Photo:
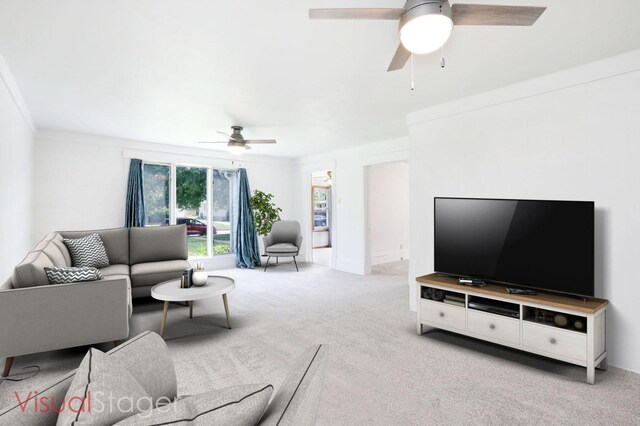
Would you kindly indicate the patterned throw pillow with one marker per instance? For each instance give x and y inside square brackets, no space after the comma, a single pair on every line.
[88,251]
[72,274]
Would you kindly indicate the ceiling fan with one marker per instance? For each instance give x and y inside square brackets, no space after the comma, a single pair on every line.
[237,144]
[425,25]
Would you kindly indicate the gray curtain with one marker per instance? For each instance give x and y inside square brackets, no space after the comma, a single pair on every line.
[134,213]
[246,241]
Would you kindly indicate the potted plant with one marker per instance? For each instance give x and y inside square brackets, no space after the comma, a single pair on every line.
[265,211]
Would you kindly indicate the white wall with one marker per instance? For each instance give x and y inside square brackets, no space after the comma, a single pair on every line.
[348,198]
[573,135]
[388,208]
[81,180]
[16,154]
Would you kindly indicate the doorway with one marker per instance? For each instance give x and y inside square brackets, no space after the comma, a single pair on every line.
[388,218]
[321,217]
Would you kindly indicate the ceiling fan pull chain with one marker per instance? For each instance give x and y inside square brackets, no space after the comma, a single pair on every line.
[412,72]
[442,62]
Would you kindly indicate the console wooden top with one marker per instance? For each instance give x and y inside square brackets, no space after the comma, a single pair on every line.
[588,306]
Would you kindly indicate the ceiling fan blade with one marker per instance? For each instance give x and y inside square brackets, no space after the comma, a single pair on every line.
[213,142]
[257,141]
[229,136]
[399,59]
[485,14]
[361,13]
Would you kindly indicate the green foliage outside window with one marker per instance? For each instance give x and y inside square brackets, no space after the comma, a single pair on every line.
[191,187]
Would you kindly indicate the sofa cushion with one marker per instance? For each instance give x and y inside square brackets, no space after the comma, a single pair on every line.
[154,244]
[54,254]
[25,411]
[282,248]
[235,405]
[102,392]
[44,241]
[72,274]
[116,242]
[296,402]
[113,270]
[30,272]
[152,273]
[58,241]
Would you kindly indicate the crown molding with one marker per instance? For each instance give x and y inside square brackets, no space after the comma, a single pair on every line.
[614,66]
[153,151]
[14,91]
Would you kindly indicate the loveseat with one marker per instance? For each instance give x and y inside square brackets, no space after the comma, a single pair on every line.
[146,359]
[38,316]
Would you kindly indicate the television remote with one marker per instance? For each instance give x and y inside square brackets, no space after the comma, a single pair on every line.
[526,292]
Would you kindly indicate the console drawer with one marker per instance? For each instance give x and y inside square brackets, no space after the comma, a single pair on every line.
[551,339]
[439,313]
[494,326]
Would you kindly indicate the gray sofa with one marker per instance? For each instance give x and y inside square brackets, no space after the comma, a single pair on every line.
[37,316]
[146,357]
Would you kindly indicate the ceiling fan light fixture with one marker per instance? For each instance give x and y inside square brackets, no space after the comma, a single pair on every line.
[426,27]
[236,148]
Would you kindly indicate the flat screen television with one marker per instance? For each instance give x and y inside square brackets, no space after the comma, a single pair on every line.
[546,245]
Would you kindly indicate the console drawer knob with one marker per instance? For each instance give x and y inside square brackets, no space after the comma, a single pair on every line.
[492,326]
[441,314]
[552,341]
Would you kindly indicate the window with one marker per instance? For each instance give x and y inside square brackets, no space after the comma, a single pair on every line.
[191,204]
[200,198]
[157,179]
[221,213]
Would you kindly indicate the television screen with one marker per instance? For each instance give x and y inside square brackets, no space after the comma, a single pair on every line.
[546,245]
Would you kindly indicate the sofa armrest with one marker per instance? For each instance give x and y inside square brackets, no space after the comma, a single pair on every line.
[6,285]
[44,318]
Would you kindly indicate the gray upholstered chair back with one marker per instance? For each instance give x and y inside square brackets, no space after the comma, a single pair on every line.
[285,231]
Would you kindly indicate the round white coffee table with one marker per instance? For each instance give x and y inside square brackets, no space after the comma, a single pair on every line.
[170,291]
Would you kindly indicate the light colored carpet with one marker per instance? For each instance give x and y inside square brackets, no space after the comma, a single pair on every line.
[379,372]
[400,267]
[322,256]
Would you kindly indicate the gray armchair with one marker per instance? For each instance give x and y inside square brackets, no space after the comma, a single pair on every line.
[284,240]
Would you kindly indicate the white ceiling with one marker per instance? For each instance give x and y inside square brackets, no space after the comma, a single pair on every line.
[175,71]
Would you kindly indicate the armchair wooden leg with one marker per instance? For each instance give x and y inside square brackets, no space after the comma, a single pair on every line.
[7,366]
[296,263]
[267,264]
[117,343]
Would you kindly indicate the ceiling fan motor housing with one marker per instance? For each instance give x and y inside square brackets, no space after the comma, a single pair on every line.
[237,135]
[416,8]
